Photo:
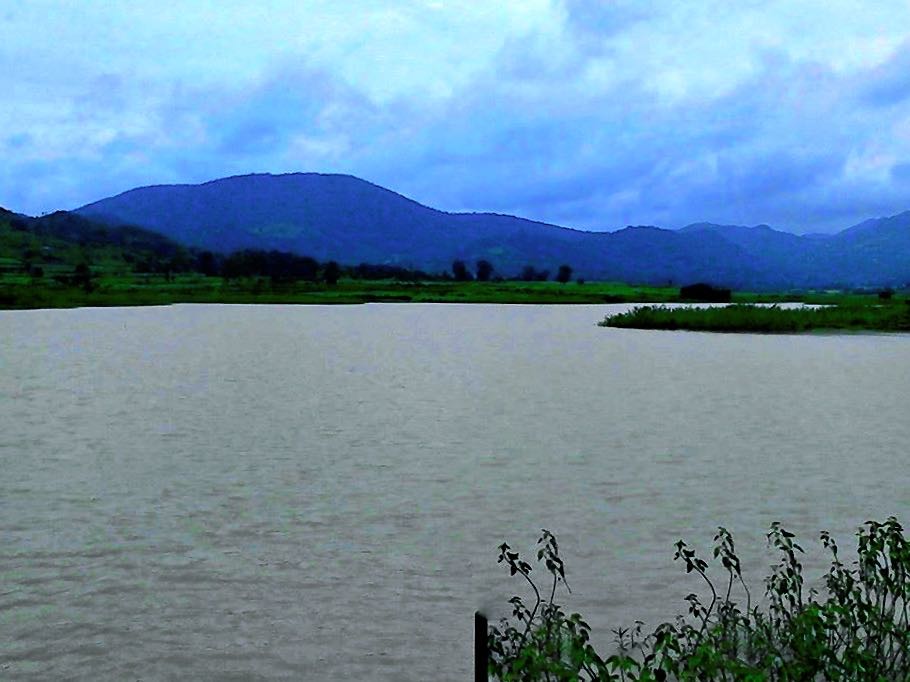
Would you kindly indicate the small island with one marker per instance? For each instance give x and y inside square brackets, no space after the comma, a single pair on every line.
[886,314]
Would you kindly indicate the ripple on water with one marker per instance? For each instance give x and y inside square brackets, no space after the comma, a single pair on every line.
[221,492]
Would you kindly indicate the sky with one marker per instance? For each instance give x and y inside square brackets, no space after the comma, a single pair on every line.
[585,113]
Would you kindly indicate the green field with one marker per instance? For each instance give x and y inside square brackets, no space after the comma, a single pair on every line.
[64,261]
[21,291]
[849,314]
[113,286]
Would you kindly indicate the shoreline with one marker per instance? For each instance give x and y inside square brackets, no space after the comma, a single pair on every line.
[22,294]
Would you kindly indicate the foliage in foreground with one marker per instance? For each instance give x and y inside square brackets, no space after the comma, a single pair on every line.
[857,630]
[892,316]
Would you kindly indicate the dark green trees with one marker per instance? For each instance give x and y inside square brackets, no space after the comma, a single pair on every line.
[484,270]
[564,274]
[460,271]
[331,273]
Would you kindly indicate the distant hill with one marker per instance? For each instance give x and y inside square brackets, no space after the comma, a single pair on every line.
[873,253]
[59,241]
[350,220]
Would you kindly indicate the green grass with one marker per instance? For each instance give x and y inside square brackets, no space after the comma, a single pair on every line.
[878,316]
[17,290]
[114,285]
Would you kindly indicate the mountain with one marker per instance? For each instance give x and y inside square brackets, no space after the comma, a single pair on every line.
[347,219]
[59,241]
[776,256]
[873,253]
[350,220]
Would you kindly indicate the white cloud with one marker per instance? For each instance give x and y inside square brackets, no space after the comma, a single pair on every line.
[585,112]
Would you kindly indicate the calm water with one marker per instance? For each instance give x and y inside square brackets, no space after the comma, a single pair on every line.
[232,492]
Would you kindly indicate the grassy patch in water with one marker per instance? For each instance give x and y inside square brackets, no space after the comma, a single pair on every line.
[888,316]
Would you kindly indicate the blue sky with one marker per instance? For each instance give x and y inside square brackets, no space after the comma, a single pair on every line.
[588,114]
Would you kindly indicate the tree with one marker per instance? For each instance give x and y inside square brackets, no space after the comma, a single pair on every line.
[705,292]
[331,273]
[484,270]
[460,271]
[205,263]
[82,276]
[528,273]
[564,274]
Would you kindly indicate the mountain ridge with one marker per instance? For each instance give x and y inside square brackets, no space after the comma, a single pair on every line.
[333,216]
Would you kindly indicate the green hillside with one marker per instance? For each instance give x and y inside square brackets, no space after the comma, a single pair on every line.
[52,247]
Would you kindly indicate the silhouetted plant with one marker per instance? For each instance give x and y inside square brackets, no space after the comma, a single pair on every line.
[531,274]
[207,263]
[460,271]
[544,643]
[82,277]
[484,270]
[705,292]
[331,273]
[860,631]
[564,274]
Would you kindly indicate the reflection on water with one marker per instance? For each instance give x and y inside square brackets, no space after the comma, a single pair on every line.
[233,492]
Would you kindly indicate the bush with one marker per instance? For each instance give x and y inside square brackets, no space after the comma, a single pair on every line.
[705,293]
[860,631]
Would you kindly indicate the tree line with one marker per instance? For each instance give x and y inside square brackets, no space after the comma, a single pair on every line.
[485,272]
[285,267]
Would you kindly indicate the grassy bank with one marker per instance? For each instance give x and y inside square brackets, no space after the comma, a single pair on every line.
[891,315]
[19,292]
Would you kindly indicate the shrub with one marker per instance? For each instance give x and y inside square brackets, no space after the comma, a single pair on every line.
[859,631]
[484,270]
[705,293]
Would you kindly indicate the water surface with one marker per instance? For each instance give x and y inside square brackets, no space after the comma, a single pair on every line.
[280,492]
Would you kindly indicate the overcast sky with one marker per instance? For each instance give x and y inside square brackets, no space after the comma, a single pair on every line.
[591,114]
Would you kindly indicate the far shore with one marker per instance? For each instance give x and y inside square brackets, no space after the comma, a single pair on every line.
[25,293]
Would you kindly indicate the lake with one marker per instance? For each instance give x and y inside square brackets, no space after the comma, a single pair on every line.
[317,492]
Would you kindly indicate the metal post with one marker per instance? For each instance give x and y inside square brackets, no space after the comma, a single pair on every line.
[481,647]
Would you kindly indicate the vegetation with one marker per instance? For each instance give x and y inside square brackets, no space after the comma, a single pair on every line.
[531,274]
[856,628]
[564,274]
[484,270]
[705,293]
[884,315]
[64,260]
[460,271]
[19,290]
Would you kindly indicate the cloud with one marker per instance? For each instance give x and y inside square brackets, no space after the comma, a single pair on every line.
[889,83]
[589,114]
[900,172]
